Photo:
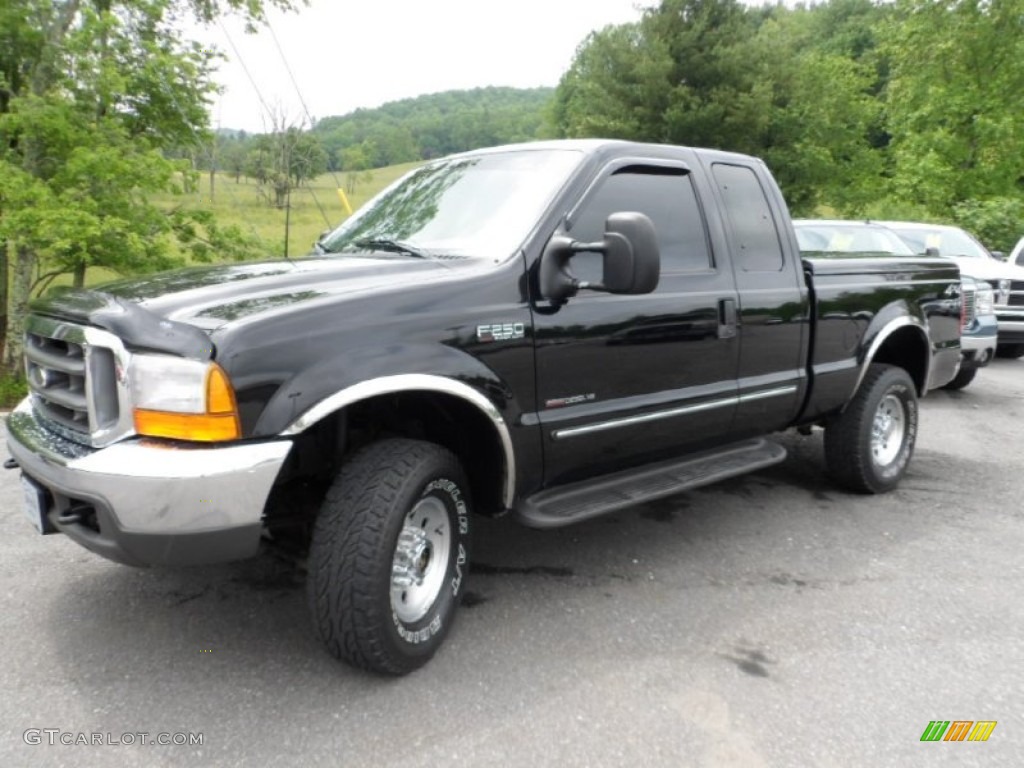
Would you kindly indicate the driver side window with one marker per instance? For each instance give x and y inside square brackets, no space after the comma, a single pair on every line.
[667,197]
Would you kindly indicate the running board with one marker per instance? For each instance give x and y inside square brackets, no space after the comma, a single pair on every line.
[590,498]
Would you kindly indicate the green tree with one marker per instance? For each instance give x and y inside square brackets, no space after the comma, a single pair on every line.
[618,86]
[233,157]
[282,160]
[355,162]
[91,93]
[955,100]
[437,124]
[770,82]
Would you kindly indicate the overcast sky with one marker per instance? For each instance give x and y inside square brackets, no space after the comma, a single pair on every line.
[347,55]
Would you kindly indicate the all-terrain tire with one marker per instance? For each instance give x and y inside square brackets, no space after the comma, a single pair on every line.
[868,445]
[389,555]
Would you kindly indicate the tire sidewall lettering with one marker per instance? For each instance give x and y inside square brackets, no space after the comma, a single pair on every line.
[458,511]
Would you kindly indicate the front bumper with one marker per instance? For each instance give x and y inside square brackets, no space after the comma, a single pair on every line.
[149,502]
[978,342]
[1011,325]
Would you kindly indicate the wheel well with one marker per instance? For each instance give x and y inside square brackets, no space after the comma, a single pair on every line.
[907,349]
[435,417]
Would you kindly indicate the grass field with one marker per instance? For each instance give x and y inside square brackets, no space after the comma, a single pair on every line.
[315,206]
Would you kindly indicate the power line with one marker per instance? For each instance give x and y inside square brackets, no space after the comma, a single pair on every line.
[267,109]
[295,85]
[199,143]
[245,69]
[305,108]
[195,136]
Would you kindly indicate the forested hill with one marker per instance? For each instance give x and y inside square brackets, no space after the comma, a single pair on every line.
[433,125]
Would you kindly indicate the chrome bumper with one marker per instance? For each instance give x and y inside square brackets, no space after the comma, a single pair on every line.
[153,502]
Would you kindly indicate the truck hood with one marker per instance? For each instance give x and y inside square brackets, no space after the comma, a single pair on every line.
[212,297]
[986,269]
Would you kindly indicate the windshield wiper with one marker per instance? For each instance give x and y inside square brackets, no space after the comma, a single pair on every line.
[393,246]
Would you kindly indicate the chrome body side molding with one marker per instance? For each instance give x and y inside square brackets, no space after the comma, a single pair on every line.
[707,405]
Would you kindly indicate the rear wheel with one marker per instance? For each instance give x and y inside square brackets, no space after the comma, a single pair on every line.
[1010,350]
[868,445]
[962,379]
[389,555]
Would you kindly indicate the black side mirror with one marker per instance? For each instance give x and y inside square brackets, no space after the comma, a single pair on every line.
[999,255]
[931,251]
[632,261]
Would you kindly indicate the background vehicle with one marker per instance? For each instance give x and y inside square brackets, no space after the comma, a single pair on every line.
[453,349]
[1007,280]
[1017,254]
[840,236]
[979,329]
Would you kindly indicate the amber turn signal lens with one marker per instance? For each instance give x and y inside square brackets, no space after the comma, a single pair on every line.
[220,397]
[201,427]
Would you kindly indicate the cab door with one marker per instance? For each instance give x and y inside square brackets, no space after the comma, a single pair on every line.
[774,308]
[624,380]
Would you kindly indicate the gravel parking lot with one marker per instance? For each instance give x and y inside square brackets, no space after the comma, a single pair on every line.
[768,621]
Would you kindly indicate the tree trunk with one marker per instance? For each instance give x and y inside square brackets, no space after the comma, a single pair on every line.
[14,349]
[80,275]
[4,280]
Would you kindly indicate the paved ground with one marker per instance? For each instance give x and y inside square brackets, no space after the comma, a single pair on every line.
[769,621]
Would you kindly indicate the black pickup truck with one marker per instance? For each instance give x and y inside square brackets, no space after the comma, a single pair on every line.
[553,331]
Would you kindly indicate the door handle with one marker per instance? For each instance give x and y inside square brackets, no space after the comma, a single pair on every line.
[727,318]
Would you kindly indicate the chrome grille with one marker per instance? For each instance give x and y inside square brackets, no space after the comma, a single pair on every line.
[56,376]
[970,304]
[76,381]
[1016,293]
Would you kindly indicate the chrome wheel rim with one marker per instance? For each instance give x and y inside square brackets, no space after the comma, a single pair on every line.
[888,430]
[421,559]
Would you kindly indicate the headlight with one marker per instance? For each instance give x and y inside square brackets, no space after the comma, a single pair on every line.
[984,299]
[183,399]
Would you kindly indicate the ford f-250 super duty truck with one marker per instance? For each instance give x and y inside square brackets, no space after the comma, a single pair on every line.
[553,330]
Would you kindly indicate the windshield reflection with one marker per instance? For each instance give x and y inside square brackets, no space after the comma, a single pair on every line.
[479,205]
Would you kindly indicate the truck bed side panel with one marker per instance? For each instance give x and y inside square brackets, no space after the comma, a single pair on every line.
[856,300]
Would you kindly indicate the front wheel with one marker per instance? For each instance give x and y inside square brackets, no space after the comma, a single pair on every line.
[868,445]
[389,555]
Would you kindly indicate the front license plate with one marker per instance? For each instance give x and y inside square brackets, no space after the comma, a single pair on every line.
[33,503]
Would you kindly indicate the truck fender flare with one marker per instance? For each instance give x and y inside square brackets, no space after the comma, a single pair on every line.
[880,338]
[410,382]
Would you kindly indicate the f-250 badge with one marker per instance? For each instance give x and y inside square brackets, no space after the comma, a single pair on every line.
[500,332]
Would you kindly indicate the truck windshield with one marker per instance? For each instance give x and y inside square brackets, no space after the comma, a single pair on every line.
[849,238]
[473,206]
[948,241]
